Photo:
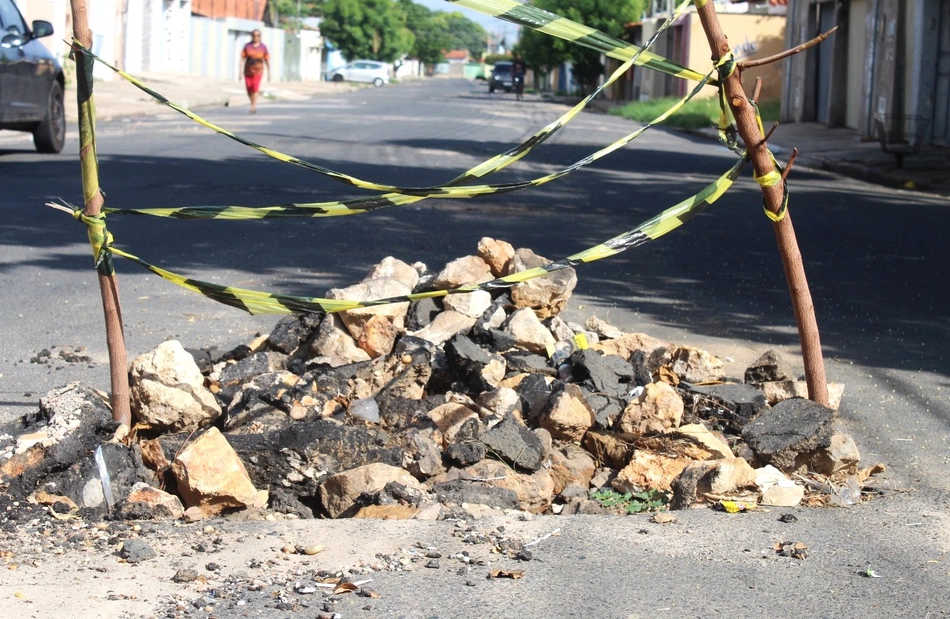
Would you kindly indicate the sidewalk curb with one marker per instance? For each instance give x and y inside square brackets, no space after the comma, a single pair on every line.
[850,169]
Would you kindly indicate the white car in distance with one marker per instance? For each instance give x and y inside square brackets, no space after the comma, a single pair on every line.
[369,71]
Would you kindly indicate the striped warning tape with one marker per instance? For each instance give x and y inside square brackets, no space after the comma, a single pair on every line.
[549,23]
[256,302]
[362,205]
[489,166]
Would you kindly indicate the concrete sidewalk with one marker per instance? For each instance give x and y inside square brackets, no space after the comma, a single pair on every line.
[842,151]
[117,98]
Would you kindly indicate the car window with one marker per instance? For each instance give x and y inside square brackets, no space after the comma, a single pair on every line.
[10,19]
[362,65]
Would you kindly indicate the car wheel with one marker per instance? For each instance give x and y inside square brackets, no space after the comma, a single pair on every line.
[337,78]
[491,90]
[50,135]
[378,82]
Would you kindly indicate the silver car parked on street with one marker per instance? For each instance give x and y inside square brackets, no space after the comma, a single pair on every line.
[369,71]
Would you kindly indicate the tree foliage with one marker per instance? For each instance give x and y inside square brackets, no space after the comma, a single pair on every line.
[543,52]
[372,29]
[387,29]
[465,34]
[430,31]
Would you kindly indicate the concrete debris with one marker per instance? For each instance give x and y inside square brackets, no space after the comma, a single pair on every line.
[168,391]
[470,404]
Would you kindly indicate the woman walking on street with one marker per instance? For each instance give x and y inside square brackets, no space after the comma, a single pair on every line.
[256,58]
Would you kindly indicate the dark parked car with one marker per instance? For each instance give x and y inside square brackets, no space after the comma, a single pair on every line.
[31,81]
[501,77]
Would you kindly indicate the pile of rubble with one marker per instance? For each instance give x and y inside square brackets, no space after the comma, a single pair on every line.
[475,402]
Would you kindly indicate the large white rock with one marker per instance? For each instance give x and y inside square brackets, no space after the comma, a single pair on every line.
[528,332]
[339,492]
[658,409]
[374,328]
[566,415]
[335,344]
[395,269]
[497,254]
[464,270]
[167,390]
[695,365]
[445,326]
[211,476]
[471,304]
[548,294]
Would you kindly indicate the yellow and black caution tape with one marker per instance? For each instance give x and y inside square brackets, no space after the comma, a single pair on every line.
[362,205]
[489,166]
[256,302]
[534,18]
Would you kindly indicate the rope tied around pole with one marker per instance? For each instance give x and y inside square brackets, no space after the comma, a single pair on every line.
[100,238]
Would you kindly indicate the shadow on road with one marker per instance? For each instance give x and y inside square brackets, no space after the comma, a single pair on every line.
[873,268]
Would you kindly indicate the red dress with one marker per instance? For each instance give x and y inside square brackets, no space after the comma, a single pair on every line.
[254,57]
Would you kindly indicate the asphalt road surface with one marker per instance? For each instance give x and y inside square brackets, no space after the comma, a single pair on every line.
[876,261]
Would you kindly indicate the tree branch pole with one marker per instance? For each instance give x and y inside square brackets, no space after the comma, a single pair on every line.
[773,196]
[93,200]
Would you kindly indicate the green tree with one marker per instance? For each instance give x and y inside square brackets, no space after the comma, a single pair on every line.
[466,34]
[430,32]
[372,29]
[542,51]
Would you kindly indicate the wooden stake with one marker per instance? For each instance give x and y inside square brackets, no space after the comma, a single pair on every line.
[774,196]
[108,284]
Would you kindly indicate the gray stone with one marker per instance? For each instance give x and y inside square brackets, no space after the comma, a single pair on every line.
[466,454]
[253,365]
[769,367]
[607,374]
[459,491]
[136,550]
[291,332]
[692,483]
[734,403]
[524,361]
[514,443]
[606,409]
[475,368]
[421,313]
[788,435]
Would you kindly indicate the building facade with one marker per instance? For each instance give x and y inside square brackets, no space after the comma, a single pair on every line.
[754,29]
[888,62]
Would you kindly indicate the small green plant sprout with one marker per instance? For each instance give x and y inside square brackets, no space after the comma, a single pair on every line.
[631,502]
[869,573]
